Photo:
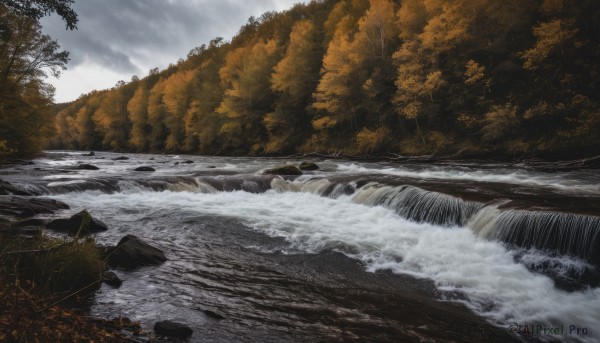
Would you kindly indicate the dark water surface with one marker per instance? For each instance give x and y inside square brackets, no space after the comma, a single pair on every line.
[353,251]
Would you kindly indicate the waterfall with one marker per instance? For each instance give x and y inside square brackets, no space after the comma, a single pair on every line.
[419,205]
[565,233]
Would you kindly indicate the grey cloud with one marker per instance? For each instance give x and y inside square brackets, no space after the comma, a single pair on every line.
[128,36]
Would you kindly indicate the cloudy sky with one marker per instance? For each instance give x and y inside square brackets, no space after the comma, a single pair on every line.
[117,39]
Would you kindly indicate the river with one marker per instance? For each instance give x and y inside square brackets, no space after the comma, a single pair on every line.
[364,251]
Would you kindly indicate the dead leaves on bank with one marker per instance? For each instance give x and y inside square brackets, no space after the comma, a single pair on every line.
[28,318]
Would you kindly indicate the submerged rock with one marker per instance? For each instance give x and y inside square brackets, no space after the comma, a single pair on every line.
[173,329]
[86,167]
[74,224]
[188,162]
[284,170]
[132,252]
[90,154]
[120,158]
[308,166]
[213,315]
[145,169]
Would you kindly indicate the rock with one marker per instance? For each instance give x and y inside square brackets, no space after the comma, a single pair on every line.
[27,232]
[86,167]
[111,279]
[26,213]
[145,169]
[132,252]
[176,163]
[212,314]
[308,166]
[173,329]
[30,222]
[8,189]
[284,170]
[211,167]
[121,158]
[73,224]
[17,206]
[90,154]
[188,162]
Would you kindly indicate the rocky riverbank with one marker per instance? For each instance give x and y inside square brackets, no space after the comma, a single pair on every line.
[46,283]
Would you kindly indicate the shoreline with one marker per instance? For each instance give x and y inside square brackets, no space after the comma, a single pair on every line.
[550,162]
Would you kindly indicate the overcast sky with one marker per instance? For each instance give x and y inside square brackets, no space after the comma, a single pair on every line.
[117,39]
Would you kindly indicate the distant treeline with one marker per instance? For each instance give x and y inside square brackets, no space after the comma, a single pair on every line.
[476,77]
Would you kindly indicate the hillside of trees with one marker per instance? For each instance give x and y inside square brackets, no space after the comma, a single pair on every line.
[467,77]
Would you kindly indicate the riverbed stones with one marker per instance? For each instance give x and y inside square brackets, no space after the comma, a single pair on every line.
[145,169]
[284,170]
[73,225]
[132,252]
[173,329]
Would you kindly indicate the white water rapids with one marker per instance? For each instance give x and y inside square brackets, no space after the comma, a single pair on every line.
[444,223]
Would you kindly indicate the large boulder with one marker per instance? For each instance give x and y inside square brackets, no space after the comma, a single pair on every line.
[308,166]
[173,329]
[132,252]
[284,170]
[73,225]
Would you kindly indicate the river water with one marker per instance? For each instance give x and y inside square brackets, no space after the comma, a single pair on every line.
[341,253]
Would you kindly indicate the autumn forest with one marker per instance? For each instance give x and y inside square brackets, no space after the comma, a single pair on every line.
[462,78]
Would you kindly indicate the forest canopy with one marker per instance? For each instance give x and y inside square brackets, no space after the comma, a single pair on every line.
[468,77]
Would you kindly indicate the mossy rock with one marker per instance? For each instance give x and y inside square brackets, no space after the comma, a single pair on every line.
[308,166]
[284,170]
